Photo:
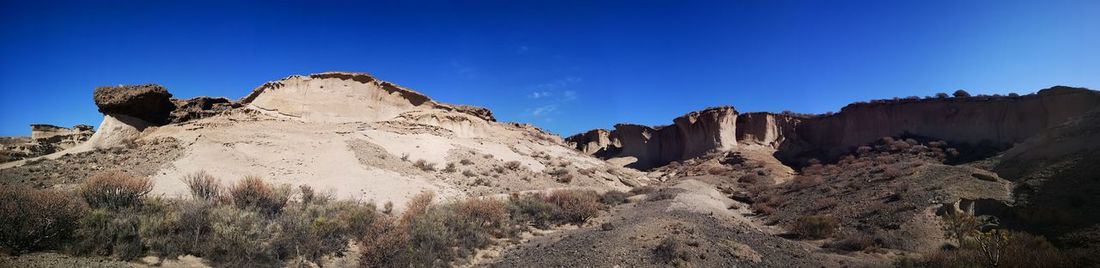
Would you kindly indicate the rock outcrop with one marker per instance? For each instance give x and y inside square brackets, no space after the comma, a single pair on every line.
[200,107]
[690,135]
[150,102]
[994,120]
[346,97]
[45,139]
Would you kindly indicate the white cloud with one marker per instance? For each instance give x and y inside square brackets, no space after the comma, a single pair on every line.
[550,95]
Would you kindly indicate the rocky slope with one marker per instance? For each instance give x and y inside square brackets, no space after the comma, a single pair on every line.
[347,133]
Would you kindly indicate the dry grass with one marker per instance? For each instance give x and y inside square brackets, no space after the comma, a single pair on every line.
[36,219]
[614,197]
[577,206]
[513,165]
[115,190]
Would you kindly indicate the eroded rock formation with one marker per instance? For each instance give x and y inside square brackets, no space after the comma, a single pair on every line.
[690,135]
[150,102]
[993,120]
[45,139]
[200,107]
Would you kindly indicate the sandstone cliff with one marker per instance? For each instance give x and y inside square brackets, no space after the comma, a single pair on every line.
[996,120]
[690,135]
[992,120]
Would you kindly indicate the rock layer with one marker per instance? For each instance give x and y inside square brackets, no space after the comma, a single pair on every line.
[690,135]
[150,102]
[993,120]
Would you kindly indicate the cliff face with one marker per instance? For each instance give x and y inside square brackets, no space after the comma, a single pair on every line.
[690,135]
[994,120]
[999,120]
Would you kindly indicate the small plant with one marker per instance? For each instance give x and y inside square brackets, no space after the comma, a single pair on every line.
[513,165]
[469,173]
[424,165]
[803,181]
[253,193]
[465,162]
[672,250]
[614,197]
[813,227]
[853,242]
[450,168]
[36,219]
[115,190]
[203,186]
[565,178]
[405,157]
[577,206]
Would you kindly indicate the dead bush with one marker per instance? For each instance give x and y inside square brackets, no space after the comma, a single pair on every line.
[468,173]
[513,165]
[565,178]
[853,242]
[450,168]
[115,190]
[203,186]
[532,209]
[576,206]
[36,219]
[763,208]
[673,251]
[424,165]
[255,194]
[803,181]
[614,197]
[813,227]
[465,162]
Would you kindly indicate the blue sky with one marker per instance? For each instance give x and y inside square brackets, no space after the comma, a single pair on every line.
[566,66]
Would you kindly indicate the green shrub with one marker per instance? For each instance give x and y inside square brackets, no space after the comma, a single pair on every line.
[532,209]
[36,219]
[115,190]
[179,228]
[813,227]
[107,232]
[253,193]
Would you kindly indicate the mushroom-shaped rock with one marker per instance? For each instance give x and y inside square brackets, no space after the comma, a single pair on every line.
[150,102]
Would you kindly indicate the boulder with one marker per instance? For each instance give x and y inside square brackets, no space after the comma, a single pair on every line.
[150,102]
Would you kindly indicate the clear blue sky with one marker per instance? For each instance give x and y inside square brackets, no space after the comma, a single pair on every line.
[567,66]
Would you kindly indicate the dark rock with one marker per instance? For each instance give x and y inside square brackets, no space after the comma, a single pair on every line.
[200,107]
[149,102]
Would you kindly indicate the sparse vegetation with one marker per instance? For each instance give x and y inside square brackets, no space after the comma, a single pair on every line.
[450,168]
[613,197]
[673,251]
[252,193]
[994,247]
[513,165]
[203,186]
[115,190]
[36,219]
[424,165]
[813,227]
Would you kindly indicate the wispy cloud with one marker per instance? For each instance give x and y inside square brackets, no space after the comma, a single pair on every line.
[549,96]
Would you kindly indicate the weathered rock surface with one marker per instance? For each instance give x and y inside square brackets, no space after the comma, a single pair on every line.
[150,102]
[200,107]
[996,120]
[993,120]
[45,139]
[346,97]
[690,135]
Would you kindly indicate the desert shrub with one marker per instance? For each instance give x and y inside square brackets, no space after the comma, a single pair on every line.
[802,181]
[468,173]
[941,95]
[36,219]
[662,194]
[115,190]
[450,168]
[961,94]
[813,227]
[434,235]
[176,229]
[253,193]
[107,232]
[241,237]
[465,162]
[613,197]
[424,165]
[513,165]
[749,178]
[1001,248]
[203,186]
[763,208]
[672,250]
[853,242]
[565,178]
[532,209]
[576,206]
